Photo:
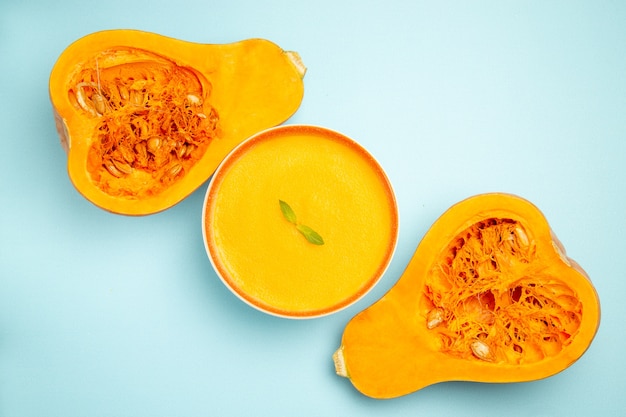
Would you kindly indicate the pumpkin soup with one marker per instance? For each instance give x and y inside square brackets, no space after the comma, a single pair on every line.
[300,221]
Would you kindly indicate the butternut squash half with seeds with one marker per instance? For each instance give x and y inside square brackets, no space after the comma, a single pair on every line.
[489,296]
[146,119]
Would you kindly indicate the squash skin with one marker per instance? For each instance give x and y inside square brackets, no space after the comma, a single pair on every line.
[254,85]
[388,351]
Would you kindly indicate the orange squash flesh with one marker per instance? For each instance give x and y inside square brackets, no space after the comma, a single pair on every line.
[146,119]
[488,296]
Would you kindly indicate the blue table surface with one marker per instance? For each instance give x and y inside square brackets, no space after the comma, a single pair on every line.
[108,315]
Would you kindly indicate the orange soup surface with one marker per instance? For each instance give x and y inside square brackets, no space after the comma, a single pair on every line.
[333,187]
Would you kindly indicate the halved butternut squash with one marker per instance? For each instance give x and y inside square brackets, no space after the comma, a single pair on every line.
[146,119]
[489,296]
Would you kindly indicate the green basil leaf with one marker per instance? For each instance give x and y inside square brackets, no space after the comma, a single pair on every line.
[311,235]
[288,212]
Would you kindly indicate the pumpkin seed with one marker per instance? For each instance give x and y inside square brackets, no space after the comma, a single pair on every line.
[174,170]
[136,97]
[434,318]
[481,350]
[181,151]
[113,169]
[122,166]
[127,154]
[521,236]
[124,93]
[142,152]
[154,144]
[81,99]
[193,99]
[190,148]
[99,103]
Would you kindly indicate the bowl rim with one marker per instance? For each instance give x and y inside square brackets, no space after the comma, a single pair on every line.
[326,132]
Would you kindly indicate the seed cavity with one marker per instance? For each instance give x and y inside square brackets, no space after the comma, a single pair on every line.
[488,289]
[153,119]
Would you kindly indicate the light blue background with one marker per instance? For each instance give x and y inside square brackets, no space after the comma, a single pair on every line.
[105,315]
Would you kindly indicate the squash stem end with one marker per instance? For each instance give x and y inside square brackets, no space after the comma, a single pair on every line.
[296,60]
[340,364]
